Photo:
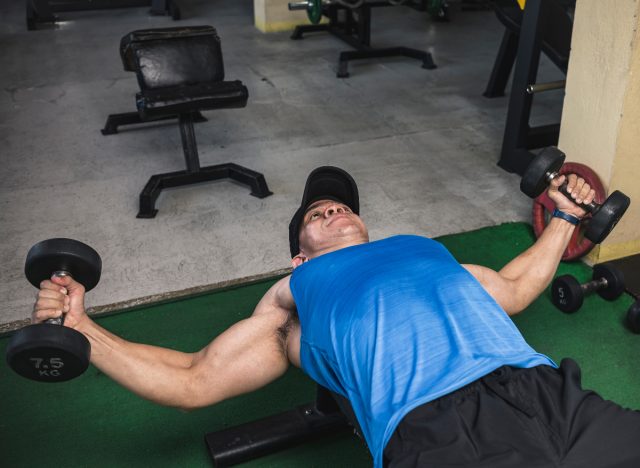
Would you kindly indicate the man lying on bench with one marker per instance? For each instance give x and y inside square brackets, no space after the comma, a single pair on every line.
[421,346]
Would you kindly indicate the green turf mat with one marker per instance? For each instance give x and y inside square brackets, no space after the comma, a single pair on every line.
[91,421]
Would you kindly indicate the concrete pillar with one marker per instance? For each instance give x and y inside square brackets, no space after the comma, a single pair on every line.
[601,114]
[274,15]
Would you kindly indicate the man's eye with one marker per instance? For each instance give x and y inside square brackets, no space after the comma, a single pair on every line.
[314,215]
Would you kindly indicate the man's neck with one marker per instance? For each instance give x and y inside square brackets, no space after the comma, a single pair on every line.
[339,246]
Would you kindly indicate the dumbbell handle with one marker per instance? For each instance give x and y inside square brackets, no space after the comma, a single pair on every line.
[592,207]
[594,285]
[58,320]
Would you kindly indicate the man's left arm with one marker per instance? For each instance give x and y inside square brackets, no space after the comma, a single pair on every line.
[524,278]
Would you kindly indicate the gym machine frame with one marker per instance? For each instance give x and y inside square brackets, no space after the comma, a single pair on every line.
[42,11]
[354,28]
[519,137]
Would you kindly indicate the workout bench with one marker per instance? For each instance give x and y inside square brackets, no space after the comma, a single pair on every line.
[180,73]
[328,414]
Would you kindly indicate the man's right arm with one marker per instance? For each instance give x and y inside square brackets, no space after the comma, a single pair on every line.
[524,278]
[245,357]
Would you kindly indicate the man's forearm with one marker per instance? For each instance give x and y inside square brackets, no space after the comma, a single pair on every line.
[157,374]
[533,270]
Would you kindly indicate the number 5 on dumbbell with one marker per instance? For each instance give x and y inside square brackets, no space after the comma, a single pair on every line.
[51,352]
[567,293]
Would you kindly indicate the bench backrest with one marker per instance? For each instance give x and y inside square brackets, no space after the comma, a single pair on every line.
[168,57]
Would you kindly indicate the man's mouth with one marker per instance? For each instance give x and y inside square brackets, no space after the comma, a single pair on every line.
[337,216]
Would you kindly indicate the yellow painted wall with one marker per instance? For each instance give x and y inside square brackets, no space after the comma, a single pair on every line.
[274,16]
[601,114]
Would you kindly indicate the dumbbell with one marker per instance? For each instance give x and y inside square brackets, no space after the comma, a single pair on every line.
[633,317]
[544,168]
[567,293]
[49,351]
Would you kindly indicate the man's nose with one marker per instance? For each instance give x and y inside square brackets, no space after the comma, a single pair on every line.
[333,209]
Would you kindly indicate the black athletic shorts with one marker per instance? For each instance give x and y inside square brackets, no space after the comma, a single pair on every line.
[538,417]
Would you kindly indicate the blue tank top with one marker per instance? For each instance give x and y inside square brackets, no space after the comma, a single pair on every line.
[396,323]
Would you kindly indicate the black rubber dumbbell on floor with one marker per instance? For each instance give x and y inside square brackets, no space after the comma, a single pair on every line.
[544,168]
[51,352]
[567,294]
[633,317]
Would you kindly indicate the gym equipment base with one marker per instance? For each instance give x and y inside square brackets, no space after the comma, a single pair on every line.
[129,118]
[347,56]
[353,26]
[41,12]
[158,182]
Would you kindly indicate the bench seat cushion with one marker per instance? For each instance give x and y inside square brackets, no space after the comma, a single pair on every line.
[191,98]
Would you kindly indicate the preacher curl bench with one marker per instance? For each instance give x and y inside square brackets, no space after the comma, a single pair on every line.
[180,73]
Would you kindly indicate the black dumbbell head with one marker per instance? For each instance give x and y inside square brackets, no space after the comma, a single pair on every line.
[566,293]
[633,317]
[607,216]
[534,181]
[48,353]
[614,277]
[78,259]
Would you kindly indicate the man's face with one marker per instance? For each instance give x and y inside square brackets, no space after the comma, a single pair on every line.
[329,225]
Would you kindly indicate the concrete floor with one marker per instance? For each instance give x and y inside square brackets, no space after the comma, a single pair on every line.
[422,144]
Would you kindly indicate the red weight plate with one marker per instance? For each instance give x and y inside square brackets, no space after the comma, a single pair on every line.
[543,206]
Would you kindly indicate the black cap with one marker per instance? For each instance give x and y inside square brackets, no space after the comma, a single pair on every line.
[324,183]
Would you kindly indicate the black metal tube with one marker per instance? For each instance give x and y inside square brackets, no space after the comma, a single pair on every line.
[298,6]
[189,145]
[541,87]
[257,438]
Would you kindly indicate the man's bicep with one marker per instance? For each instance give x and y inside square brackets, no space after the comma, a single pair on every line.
[503,290]
[247,356]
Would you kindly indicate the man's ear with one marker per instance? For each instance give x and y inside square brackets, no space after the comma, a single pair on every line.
[298,260]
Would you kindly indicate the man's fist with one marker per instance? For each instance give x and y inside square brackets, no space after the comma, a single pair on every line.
[581,192]
[57,296]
